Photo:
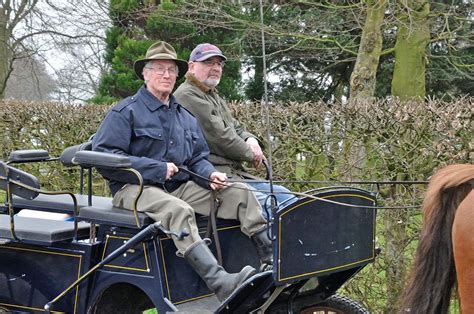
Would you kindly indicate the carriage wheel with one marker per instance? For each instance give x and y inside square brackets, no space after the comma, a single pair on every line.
[121,298]
[336,304]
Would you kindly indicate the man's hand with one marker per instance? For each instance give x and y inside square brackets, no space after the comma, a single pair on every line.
[258,156]
[218,180]
[171,170]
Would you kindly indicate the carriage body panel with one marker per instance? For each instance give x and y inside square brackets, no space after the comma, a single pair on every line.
[104,262]
[33,274]
[316,237]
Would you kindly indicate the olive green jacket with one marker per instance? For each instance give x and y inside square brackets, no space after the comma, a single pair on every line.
[224,134]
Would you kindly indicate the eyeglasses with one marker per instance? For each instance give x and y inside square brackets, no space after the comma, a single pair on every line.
[162,71]
[212,63]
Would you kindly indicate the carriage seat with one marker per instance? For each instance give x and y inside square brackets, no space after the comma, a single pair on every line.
[42,230]
[100,210]
[58,203]
[119,216]
[26,187]
[116,216]
[27,195]
[110,215]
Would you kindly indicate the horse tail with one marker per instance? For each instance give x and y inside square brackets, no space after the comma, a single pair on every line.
[433,275]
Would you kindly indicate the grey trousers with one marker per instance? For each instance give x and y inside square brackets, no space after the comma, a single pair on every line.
[176,210]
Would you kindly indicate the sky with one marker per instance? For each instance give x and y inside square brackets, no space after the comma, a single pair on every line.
[70,40]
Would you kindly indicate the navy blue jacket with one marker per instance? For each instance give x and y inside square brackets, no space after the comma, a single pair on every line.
[152,134]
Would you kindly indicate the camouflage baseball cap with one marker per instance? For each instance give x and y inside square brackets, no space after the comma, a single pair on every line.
[205,51]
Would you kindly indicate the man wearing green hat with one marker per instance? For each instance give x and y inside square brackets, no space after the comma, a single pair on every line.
[159,136]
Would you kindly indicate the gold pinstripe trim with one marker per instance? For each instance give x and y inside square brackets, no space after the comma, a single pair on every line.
[40,251]
[329,196]
[194,299]
[328,269]
[145,255]
[164,268]
[51,253]
[324,270]
[27,307]
[166,273]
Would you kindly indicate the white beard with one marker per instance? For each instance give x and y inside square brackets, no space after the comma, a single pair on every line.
[211,82]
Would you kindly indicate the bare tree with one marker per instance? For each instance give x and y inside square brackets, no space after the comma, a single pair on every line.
[12,14]
[29,81]
[67,35]
[82,25]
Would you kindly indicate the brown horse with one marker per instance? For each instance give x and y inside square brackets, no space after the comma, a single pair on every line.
[446,247]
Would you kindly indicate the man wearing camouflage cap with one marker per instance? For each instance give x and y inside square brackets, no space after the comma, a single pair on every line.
[229,143]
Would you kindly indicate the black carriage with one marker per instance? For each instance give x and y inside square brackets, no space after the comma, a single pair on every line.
[112,260]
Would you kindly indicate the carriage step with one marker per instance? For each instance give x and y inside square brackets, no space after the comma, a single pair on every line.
[205,305]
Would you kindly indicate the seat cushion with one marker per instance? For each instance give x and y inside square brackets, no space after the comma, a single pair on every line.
[102,211]
[111,215]
[59,203]
[41,230]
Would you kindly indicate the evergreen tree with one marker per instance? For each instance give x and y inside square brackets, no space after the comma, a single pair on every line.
[138,24]
[311,47]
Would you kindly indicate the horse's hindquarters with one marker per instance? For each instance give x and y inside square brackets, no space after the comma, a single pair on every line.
[463,247]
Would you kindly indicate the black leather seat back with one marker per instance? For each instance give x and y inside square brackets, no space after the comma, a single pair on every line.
[68,154]
[19,176]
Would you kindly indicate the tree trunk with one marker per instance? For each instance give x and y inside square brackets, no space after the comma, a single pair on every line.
[255,89]
[395,245]
[362,83]
[5,52]
[413,35]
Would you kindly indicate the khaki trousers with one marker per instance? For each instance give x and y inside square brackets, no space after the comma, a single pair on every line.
[176,210]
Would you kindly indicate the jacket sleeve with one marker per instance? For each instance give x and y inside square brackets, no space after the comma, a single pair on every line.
[239,128]
[114,136]
[199,163]
[223,139]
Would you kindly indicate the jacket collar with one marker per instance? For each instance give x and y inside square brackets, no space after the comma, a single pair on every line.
[193,80]
[153,103]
